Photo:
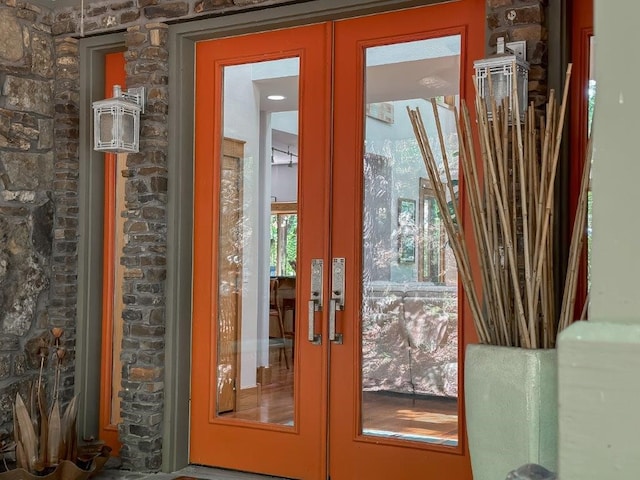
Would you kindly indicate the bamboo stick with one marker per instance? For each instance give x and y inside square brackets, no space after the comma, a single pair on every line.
[552,173]
[445,162]
[468,167]
[486,223]
[577,240]
[432,170]
[546,138]
[496,139]
[499,144]
[505,226]
[525,217]
[511,206]
[458,247]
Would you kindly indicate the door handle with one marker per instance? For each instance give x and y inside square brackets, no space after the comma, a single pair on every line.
[337,298]
[315,299]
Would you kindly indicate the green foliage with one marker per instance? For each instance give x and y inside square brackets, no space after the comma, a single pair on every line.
[284,243]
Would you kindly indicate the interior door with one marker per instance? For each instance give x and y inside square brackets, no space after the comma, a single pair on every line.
[373,388]
[230,268]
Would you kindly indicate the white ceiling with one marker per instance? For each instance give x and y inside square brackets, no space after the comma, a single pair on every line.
[425,78]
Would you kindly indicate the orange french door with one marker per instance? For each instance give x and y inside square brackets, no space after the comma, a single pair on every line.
[237,342]
[395,60]
[328,329]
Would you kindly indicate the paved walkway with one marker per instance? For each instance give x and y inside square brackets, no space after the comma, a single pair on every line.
[192,472]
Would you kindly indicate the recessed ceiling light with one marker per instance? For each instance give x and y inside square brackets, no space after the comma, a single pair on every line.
[276,97]
[432,82]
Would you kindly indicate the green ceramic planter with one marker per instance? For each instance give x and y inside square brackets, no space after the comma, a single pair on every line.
[511,406]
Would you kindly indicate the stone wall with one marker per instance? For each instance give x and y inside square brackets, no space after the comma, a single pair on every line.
[523,20]
[64,259]
[27,202]
[107,16]
[144,255]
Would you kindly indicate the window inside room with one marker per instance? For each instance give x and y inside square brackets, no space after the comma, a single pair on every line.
[432,236]
[284,239]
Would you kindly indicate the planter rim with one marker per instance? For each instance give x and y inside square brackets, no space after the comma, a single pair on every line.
[471,346]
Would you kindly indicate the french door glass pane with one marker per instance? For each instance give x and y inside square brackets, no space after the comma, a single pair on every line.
[256,304]
[409,276]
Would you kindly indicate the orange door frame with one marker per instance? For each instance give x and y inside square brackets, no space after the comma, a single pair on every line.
[114,75]
[581,34]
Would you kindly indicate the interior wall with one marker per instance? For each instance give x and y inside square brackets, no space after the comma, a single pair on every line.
[242,122]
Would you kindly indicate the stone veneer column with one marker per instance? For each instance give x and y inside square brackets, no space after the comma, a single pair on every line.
[144,255]
[64,259]
[522,20]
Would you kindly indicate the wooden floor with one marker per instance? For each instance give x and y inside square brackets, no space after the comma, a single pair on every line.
[413,417]
[275,399]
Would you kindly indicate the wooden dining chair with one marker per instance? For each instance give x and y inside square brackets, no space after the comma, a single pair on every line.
[275,310]
[289,330]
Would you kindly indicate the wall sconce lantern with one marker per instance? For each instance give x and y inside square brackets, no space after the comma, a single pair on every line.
[116,121]
[497,73]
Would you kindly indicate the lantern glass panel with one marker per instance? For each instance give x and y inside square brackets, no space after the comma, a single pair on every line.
[501,84]
[106,122]
[128,128]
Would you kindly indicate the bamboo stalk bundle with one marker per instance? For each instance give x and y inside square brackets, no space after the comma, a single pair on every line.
[509,179]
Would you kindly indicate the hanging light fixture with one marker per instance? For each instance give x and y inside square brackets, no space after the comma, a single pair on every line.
[116,121]
[496,74]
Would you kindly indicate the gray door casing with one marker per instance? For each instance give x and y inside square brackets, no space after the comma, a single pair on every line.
[182,39]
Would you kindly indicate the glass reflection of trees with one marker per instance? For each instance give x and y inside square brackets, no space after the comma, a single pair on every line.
[284,244]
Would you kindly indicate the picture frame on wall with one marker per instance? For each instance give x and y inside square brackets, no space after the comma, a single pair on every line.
[407,248]
[406,230]
[406,212]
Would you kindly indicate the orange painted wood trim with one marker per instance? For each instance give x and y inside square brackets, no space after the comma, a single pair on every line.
[114,75]
[581,33]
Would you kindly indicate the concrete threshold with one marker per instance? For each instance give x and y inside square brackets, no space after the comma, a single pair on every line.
[191,472]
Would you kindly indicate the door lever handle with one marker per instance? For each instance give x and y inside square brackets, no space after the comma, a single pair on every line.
[313,337]
[337,298]
[333,336]
[315,300]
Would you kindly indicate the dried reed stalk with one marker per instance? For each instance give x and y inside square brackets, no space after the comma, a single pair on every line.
[451,226]
[510,188]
